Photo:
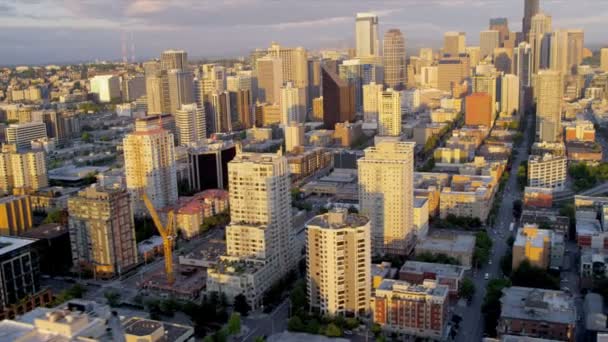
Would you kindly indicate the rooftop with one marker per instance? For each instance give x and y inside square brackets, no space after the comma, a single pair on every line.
[538,304]
[337,219]
[453,242]
[429,287]
[445,270]
[172,332]
[10,244]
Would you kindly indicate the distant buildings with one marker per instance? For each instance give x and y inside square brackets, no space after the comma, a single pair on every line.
[338,99]
[339,263]
[102,232]
[454,43]
[25,170]
[15,215]
[190,124]
[270,79]
[366,35]
[389,113]
[21,135]
[394,59]
[106,87]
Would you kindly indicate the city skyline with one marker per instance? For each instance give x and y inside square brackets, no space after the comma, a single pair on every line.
[90,30]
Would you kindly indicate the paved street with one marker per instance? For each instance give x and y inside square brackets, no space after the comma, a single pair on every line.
[471,328]
[267,324]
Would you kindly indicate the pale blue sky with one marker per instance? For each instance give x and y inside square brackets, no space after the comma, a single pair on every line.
[39,31]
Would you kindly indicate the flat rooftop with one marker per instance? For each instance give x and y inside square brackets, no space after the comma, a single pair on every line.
[10,244]
[444,270]
[141,327]
[338,219]
[454,242]
[429,288]
[538,305]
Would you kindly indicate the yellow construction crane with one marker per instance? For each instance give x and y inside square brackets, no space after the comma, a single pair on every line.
[167,233]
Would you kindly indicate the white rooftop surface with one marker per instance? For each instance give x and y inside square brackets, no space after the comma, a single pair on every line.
[9,244]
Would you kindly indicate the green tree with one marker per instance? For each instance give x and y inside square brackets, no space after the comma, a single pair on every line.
[234,324]
[259,339]
[491,307]
[113,298]
[333,330]
[483,247]
[241,306]
[86,137]
[376,329]
[527,275]
[295,324]
[506,263]
[467,289]
[298,297]
[56,216]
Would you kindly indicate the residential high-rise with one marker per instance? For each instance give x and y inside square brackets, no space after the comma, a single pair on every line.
[133,87]
[550,89]
[181,89]
[190,124]
[394,59]
[220,112]
[155,89]
[293,104]
[531,8]
[366,35]
[15,215]
[294,136]
[454,43]
[604,59]
[488,41]
[523,68]
[102,232]
[270,79]
[22,170]
[357,73]
[389,113]
[21,135]
[478,110]
[294,64]
[509,103]
[174,59]
[338,255]
[386,195]
[540,41]
[338,99]
[150,167]
[106,87]
[244,108]
[370,101]
[260,236]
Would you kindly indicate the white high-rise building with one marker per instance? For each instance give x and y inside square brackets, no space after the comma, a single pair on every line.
[429,77]
[190,124]
[294,135]
[21,135]
[22,170]
[260,237]
[389,113]
[107,87]
[509,102]
[488,41]
[366,35]
[370,101]
[293,104]
[386,195]
[150,167]
[338,255]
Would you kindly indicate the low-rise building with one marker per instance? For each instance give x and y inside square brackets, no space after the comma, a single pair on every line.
[547,219]
[538,197]
[468,196]
[537,313]
[457,245]
[382,271]
[306,162]
[192,213]
[547,171]
[534,245]
[416,272]
[411,309]
[583,151]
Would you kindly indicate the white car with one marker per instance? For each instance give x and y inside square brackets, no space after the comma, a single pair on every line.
[486,276]
[490,262]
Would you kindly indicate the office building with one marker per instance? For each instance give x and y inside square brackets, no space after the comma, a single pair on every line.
[270,79]
[219,112]
[20,272]
[509,103]
[294,64]
[338,255]
[181,89]
[451,72]
[537,313]
[260,237]
[293,104]
[604,59]
[21,135]
[531,8]
[389,113]
[208,164]
[106,87]
[454,43]
[394,59]
[371,93]
[502,26]
[150,167]
[488,41]
[102,232]
[474,53]
[338,99]
[540,42]
[478,110]
[547,171]
[190,124]
[133,88]
[411,309]
[174,59]
[488,83]
[416,272]
[244,108]
[157,89]
[22,170]
[366,35]
[386,195]
[549,88]
[294,136]
[15,215]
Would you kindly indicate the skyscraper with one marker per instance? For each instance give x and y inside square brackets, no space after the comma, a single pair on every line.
[502,26]
[488,83]
[338,99]
[219,112]
[370,101]
[293,104]
[509,103]
[106,87]
[338,255]
[21,135]
[25,170]
[488,41]
[190,124]
[454,43]
[174,59]
[540,41]
[150,166]
[270,79]
[366,35]
[244,108]
[260,236]
[181,89]
[394,59]
[604,59]
[154,88]
[550,90]
[386,195]
[102,232]
[294,64]
[451,72]
[531,8]
[389,113]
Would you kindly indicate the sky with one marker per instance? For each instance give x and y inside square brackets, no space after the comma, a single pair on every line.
[61,31]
